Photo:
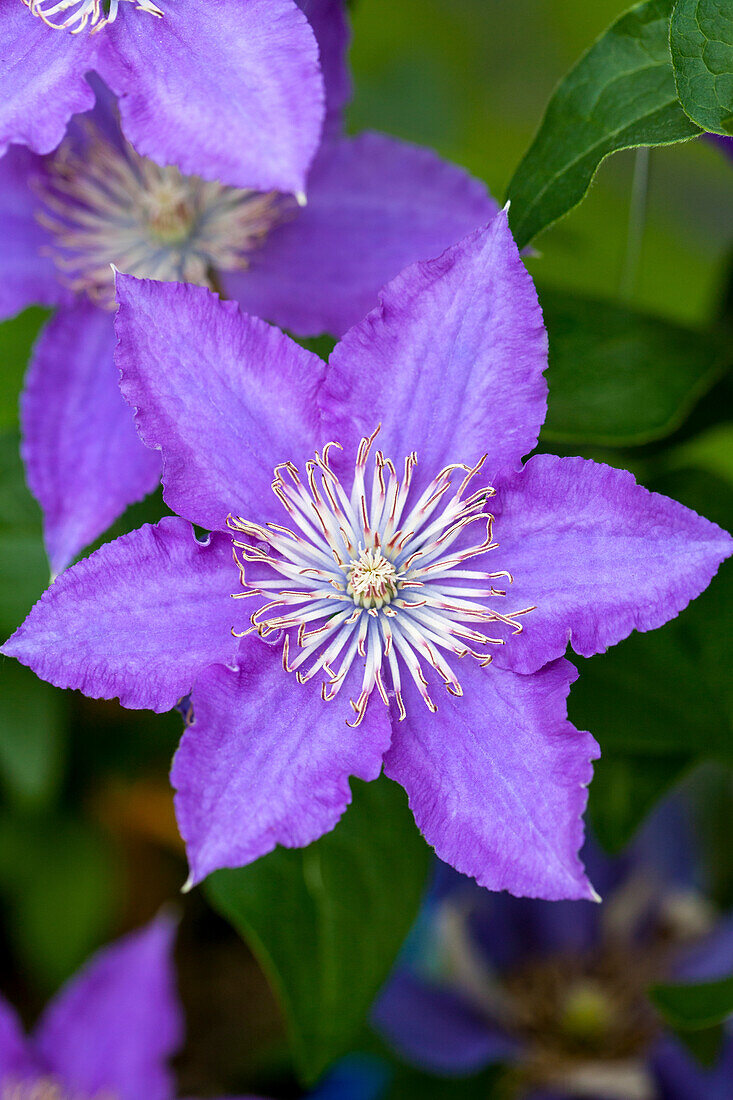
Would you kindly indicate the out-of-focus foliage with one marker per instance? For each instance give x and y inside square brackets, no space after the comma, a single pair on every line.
[701,44]
[695,1006]
[16,340]
[344,906]
[619,378]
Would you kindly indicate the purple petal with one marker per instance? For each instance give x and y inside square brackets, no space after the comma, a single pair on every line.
[680,1077]
[496,779]
[450,361]
[437,1029]
[724,143]
[224,396]
[333,34]
[16,1060]
[598,554]
[266,762]
[229,91]
[84,461]
[139,619]
[114,1026]
[375,205]
[711,959]
[41,79]
[508,929]
[27,277]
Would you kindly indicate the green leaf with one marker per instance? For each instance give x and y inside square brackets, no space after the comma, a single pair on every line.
[31,737]
[59,884]
[326,922]
[695,1006]
[621,94]
[701,44]
[620,378]
[711,451]
[24,572]
[16,340]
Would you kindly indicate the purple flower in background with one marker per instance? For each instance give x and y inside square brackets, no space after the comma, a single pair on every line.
[109,1033]
[374,205]
[370,563]
[231,91]
[558,992]
[724,143]
[112,1030]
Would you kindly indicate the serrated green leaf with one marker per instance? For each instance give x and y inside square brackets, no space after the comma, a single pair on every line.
[695,1006]
[619,377]
[326,922]
[621,94]
[16,340]
[701,44]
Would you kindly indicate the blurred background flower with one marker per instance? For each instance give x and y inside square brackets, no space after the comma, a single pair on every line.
[560,992]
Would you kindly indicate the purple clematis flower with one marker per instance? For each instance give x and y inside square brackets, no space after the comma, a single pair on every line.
[231,91]
[372,564]
[374,205]
[108,1034]
[111,1031]
[558,993]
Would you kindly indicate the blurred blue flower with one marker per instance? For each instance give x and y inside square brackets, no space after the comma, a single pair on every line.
[558,991]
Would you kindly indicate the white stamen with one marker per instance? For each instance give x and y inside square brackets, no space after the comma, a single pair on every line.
[94,14]
[357,580]
[105,205]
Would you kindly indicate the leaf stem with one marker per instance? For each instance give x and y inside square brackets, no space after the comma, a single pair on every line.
[637,222]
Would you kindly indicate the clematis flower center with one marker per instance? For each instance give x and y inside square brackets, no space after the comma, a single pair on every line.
[377,574]
[77,15]
[372,579]
[43,1089]
[106,205]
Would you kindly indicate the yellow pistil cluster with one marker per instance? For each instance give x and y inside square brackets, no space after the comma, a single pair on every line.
[372,579]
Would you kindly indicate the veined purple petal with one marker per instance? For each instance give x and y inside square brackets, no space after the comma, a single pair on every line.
[229,90]
[17,1062]
[437,1029]
[139,619]
[266,762]
[84,461]
[114,1026]
[375,205]
[450,361]
[496,779]
[41,79]
[331,27]
[27,276]
[598,554]
[224,396]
